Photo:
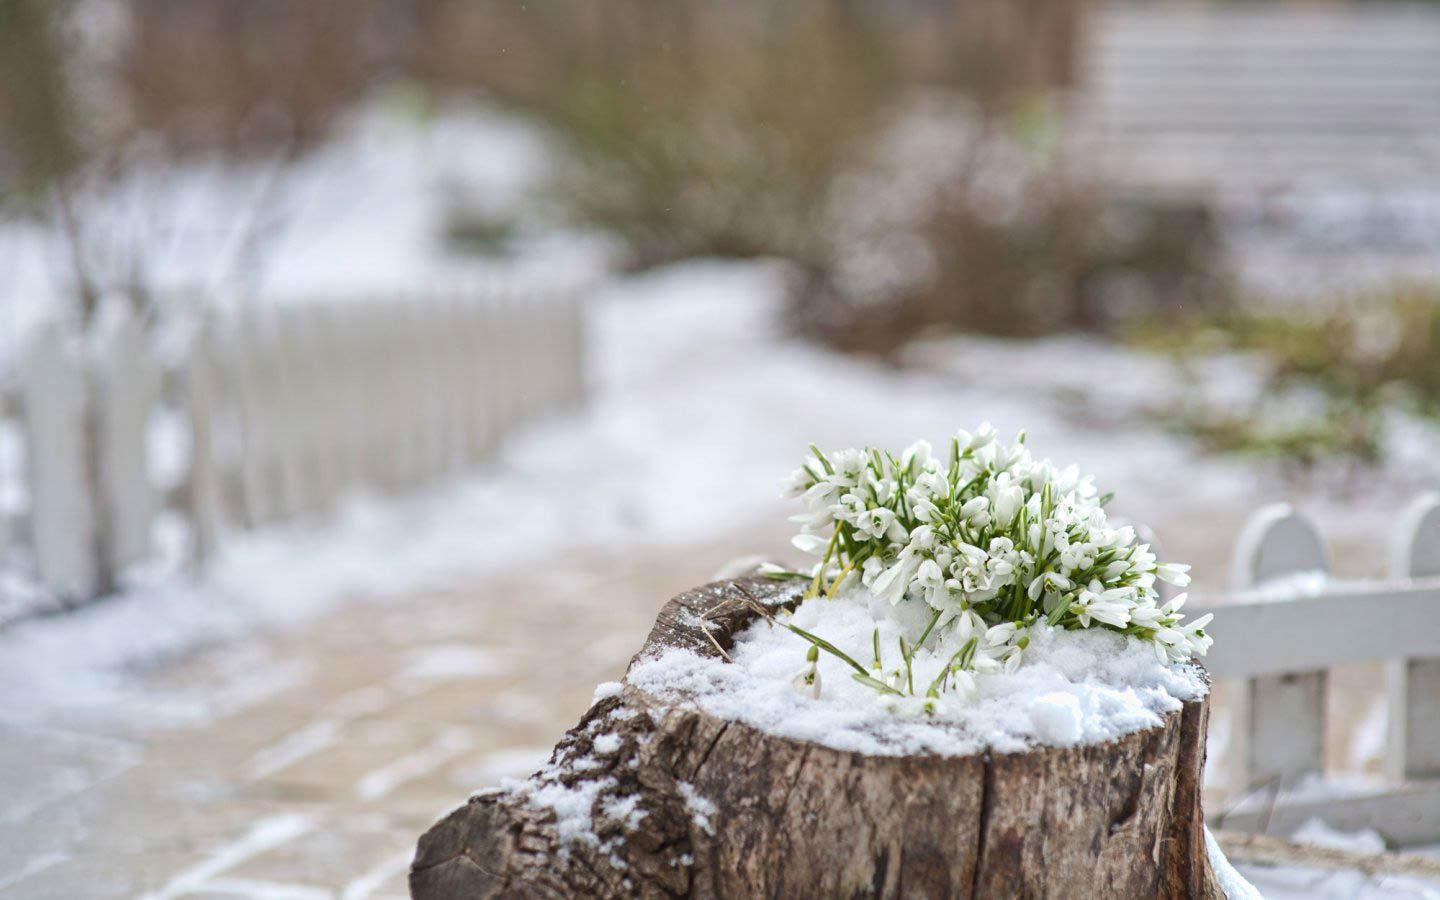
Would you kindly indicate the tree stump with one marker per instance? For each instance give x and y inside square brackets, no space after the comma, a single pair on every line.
[649,799]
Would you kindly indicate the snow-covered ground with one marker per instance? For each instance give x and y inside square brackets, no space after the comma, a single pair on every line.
[700,404]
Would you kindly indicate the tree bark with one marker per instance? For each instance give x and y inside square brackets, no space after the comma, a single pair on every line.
[685,804]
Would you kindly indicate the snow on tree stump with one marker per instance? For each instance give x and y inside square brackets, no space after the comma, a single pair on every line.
[647,798]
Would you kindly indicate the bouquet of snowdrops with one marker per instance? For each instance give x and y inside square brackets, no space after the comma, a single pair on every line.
[992,542]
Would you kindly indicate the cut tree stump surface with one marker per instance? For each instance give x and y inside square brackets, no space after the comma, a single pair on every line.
[652,798]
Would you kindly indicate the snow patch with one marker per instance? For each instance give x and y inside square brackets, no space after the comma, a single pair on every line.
[702,810]
[1316,832]
[1074,687]
[605,690]
[1231,882]
[572,805]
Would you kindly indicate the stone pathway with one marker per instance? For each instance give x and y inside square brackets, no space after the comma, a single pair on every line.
[330,749]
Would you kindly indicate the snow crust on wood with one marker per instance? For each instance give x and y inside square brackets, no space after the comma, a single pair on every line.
[1074,687]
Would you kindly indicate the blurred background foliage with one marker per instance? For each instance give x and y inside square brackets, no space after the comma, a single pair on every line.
[911,159]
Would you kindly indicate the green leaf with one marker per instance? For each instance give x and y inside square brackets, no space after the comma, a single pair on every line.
[933,619]
[1058,613]
[875,683]
[829,469]
[827,647]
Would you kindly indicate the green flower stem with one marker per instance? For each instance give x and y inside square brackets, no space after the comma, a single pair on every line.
[928,628]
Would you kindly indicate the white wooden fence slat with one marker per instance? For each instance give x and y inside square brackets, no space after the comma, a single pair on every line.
[128,384]
[290,387]
[204,488]
[431,385]
[256,420]
[1344,624]
[480,362]
[1282,717]
[1413,677]
[576,311]
[61,512]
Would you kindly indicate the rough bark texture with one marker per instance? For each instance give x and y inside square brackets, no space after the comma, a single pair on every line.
[729,811]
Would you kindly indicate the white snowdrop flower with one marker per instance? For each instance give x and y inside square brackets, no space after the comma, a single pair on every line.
[1053,581]
[1094,606]
[849,464]
[972,554]
[922,538]
[932,484]
[1006,503]
[1146,615]
[968,625]
[983,436]
[813,520]
[877,523]
[893,583]
[1174,604]
[1174,573]
[1000,634]
[870,569]
[798,482]
[1115,569]
[923,509]
[930,578]
[1166,635]
[813,544]
[807,683]
[916,458]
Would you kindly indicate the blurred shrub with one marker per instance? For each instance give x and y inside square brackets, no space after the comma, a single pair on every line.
[720,129]
[37,143]
[1330,374]
[974,221]
[697,129]
[237,75]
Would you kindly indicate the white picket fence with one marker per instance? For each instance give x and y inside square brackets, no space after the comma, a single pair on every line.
[1280,642]
[280,410]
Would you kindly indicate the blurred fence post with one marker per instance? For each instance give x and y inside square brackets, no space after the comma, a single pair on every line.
[127,390]
[62,513]
[204,493]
